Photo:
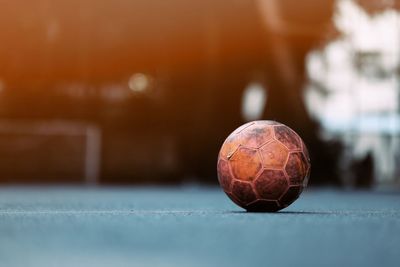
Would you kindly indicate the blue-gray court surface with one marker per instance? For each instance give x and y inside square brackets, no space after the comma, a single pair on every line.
[194,226]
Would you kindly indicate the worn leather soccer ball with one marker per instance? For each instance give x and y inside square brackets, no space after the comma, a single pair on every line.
[263,166]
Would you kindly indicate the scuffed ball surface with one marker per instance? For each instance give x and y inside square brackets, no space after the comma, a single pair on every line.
[263,166]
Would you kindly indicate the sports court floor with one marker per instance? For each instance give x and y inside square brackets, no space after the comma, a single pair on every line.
[194,226]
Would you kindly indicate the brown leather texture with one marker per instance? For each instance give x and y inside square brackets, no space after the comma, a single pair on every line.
[263,166]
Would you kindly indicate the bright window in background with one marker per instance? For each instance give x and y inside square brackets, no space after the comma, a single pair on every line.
[253,101]
[354,83]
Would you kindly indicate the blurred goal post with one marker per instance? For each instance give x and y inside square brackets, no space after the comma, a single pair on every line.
[61,128]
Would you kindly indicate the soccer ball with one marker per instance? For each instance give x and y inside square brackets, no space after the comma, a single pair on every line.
[263,166]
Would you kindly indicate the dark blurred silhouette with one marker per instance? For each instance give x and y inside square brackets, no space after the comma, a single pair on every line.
[294,28]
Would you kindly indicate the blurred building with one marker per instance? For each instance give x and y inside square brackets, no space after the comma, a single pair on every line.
[354,90]
[158,82]
[146,91]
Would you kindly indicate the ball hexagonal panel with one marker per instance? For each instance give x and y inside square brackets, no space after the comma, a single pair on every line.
[290,196]
[256,135]
[287,137]
[274,155]
[271,184]
[229,147]
[263,206]
[224,176]
[296,168]
[243,192]
[245,164]
[242,127]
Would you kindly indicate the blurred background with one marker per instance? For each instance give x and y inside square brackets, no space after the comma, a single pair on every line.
[146,91]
